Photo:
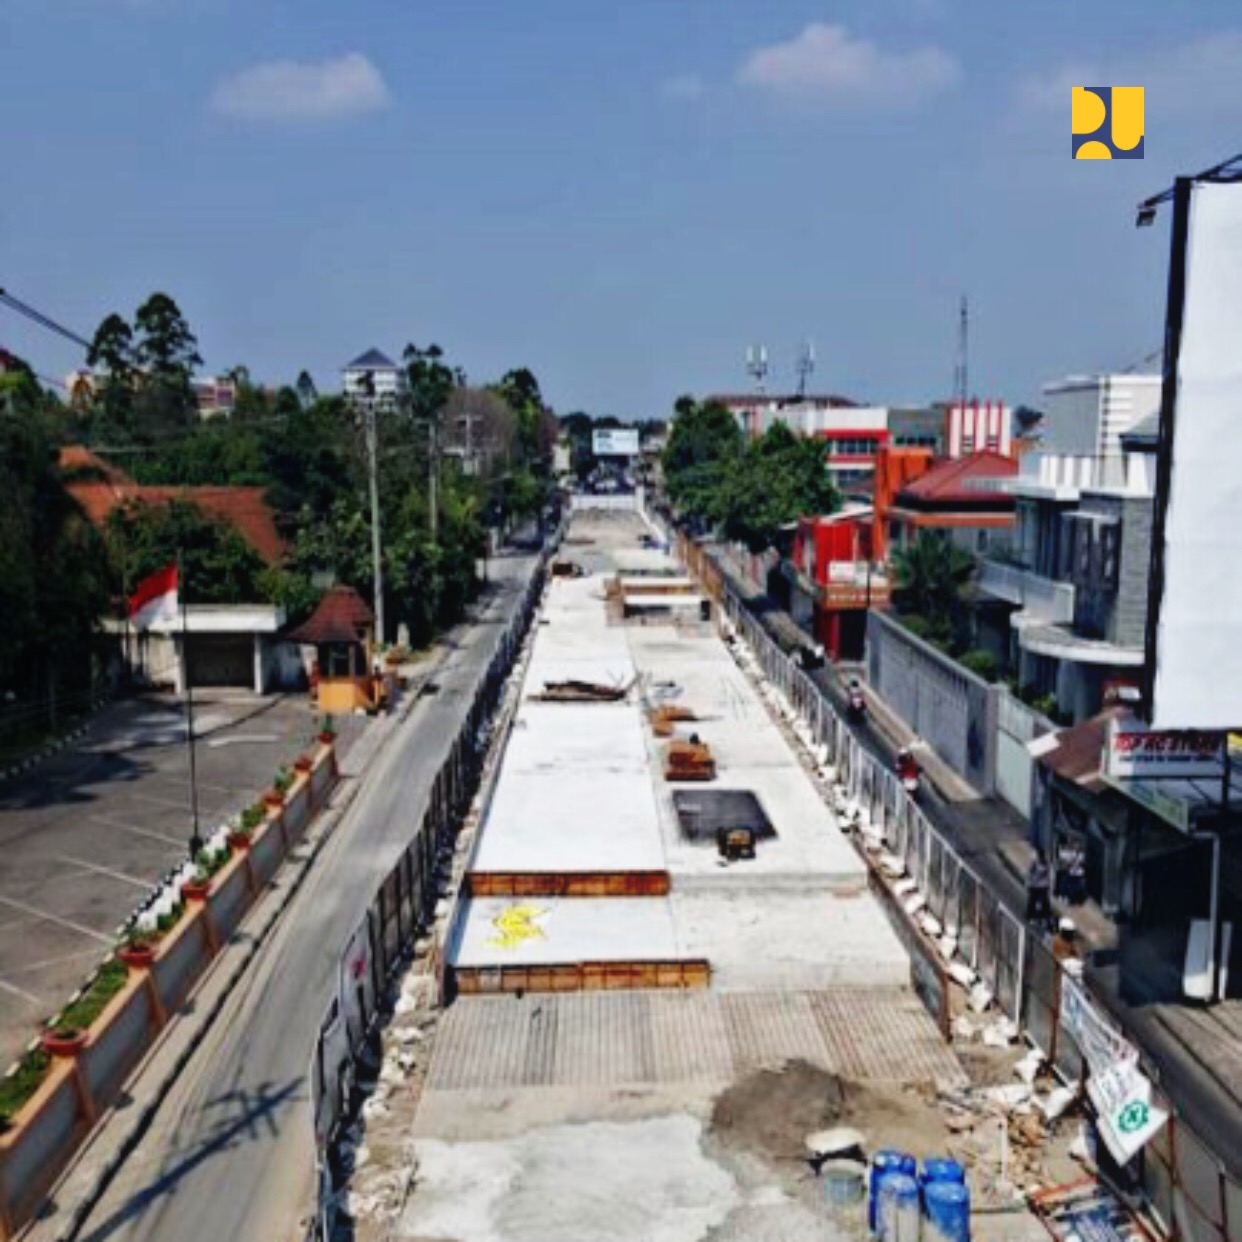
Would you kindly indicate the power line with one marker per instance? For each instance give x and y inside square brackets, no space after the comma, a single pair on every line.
[41,319]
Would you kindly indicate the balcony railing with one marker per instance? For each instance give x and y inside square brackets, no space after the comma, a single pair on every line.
[1044,598]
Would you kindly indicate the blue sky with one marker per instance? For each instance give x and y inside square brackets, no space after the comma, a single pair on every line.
[619,196]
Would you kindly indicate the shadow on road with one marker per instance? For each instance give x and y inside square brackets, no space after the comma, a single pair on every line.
[250,1114]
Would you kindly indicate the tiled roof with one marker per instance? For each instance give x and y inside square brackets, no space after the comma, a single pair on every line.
[1077,754]
[950,481]
[78,459]
[342,617]
[243,508]
[372,360]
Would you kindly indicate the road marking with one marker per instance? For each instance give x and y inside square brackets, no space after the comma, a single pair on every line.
[116,875]
[142,832]
[178,775]
[55,961]
[30,996]
[55,918]
[217,742]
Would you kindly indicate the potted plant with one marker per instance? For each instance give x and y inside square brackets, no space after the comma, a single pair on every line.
[327,731]
[67,1033]
[240,834]
[63,1040]
[138,948]
[198,888]
[303,764]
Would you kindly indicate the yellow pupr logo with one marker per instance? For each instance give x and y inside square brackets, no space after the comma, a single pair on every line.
[1107,122]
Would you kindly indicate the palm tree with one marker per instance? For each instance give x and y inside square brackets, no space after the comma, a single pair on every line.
[931,575]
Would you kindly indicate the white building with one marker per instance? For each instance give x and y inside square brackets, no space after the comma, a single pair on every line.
[1086,415]
[373,375]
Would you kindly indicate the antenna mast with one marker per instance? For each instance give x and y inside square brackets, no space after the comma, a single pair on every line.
[757,365]
[805,365]
[961,370]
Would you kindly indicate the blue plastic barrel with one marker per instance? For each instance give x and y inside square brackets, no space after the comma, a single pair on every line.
[946,1206]
[938,1170]
[898,1215]
[882,1163]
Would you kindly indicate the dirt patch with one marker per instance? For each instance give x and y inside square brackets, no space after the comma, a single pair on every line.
[770,1113]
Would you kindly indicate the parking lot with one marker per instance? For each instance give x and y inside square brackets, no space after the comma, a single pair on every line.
[84,836]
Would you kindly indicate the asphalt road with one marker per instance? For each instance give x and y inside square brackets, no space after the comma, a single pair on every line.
[230,1153]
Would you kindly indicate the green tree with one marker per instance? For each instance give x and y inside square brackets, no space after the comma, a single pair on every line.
[930,578]
[53,567]
[218,565]
[778,479]
[704,443]
[167,354]
[111,352]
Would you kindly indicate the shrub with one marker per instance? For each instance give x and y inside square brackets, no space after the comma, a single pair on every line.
[1046,705]
[21,1082]
[166,922]
[109,979]
[209,862]
[981,662]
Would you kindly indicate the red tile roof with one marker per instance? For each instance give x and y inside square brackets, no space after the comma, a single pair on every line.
[243,508]
[342,617]
[950,481]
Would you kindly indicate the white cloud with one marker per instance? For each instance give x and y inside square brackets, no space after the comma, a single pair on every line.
[1198,78]
[824,62]
[289,90]
[685,86]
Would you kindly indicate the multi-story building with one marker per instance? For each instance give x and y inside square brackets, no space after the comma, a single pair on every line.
[1071,596]
[373,376]
[1086,415]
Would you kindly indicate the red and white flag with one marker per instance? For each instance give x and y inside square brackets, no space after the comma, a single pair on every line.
[155,599]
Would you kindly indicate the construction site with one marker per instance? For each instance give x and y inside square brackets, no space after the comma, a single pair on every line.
[670,1002]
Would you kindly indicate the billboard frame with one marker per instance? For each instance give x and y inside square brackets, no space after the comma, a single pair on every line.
[1179,194]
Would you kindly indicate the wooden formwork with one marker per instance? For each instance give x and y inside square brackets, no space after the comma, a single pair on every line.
[568,884]
[582,977]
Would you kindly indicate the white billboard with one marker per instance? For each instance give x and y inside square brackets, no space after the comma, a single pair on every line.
[616,442]
[1194,631]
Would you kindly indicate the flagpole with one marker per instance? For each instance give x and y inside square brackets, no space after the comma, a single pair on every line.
[196,841]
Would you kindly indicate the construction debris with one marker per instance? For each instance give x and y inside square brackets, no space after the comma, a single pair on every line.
[689,761]
[665,717]
[582,692]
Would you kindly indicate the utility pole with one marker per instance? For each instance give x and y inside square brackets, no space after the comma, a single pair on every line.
[367,384]
[433,478]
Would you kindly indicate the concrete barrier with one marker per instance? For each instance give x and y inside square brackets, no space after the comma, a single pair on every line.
[119,1038]
[267,852]
[298,808]
[232,891]
[36,1150]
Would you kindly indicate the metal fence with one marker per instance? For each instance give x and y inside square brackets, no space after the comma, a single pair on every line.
[404,906]
[1188,1185]
[990,939]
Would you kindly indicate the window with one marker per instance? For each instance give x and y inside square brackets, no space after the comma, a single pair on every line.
[1110,542]
[1082,553]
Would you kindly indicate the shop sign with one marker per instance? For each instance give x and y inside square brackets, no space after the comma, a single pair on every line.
[1138,753]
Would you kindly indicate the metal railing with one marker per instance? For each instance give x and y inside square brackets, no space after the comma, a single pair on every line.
[404,906]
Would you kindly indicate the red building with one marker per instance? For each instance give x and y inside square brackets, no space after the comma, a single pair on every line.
[834,577]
